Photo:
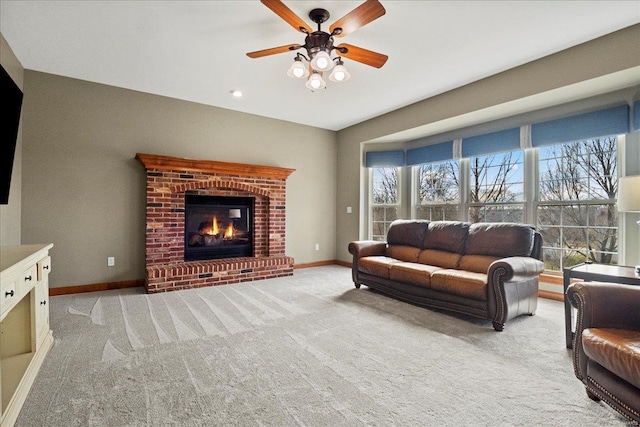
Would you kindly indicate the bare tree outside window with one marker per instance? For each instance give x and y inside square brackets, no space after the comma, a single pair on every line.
[577,213]
[384,201]
[496,187]
[385,186]
[438,191]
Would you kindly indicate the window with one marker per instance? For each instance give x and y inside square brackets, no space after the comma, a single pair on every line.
[576,212]
[384,201]
[437,191]
[565,182]
[496,187]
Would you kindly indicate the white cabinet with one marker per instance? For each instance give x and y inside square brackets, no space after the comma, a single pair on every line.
[25,337]
[41,295]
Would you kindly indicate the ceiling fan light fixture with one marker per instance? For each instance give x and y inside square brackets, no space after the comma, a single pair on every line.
[319,45]
[315,82]
[298,70]
[339,73]
[321,61]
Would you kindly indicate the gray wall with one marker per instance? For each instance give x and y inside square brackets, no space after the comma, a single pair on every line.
[84,191]
[593,68]
[10,213]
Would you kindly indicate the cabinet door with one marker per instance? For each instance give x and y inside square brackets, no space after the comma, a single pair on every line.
[41,310]
[41,302]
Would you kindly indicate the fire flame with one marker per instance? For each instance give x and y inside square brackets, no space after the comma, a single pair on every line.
[215,230]
[228,234]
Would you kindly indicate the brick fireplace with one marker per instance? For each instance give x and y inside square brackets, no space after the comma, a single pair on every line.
[170,180]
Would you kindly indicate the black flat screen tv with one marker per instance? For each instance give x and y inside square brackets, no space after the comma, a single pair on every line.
[10,107]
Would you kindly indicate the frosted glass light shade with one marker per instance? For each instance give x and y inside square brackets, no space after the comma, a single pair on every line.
[316,82]
[298,70]
[322,61]
[629,194]
[339,74]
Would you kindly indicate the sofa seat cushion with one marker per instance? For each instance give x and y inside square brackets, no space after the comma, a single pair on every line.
[462,283]
[403,252]
[617,350]
[415,274]
[443,259]
[376,265]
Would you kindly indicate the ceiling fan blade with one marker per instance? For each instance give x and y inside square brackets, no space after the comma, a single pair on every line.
[274,50]
[364,56]
[368,11]
[287,14]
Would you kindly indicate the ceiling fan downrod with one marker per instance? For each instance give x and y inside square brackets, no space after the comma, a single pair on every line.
[319,16]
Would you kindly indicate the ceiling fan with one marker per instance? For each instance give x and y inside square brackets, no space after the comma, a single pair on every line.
[319,44]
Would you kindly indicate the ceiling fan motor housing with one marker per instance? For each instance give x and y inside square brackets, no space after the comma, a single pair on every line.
[318,41]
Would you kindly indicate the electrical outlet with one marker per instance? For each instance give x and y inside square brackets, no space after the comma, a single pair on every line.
[349,210]
[317,246]
[111,261]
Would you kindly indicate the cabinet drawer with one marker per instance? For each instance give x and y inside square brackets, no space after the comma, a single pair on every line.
[8,294]
[44,267]
[28,279]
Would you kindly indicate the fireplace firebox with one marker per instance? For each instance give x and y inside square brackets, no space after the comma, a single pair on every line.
[218,227]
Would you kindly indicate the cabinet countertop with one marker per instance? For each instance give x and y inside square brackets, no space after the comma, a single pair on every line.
[12,255]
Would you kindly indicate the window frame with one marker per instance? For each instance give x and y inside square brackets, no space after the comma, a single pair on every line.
[587,204]
[371,205]
[416,201]
[498,204]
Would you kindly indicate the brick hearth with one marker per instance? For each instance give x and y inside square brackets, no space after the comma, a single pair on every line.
[169,179]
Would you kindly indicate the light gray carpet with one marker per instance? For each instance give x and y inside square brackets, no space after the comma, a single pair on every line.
[306,350]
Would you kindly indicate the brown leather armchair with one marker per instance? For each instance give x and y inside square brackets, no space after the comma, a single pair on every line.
[606,346]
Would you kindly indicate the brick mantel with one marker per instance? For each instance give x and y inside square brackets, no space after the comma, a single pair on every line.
[169,179]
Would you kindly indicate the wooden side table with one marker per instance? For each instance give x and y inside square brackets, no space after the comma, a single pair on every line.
[594,273]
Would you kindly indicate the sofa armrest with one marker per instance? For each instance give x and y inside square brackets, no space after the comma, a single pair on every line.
[363,248]
[512,288]
[601,305]
[516,268]
[606,305]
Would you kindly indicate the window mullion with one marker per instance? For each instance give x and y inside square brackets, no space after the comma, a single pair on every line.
[463,213]
[531,184]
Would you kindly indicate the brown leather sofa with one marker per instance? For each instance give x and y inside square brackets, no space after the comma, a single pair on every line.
[606,346]
[487,270]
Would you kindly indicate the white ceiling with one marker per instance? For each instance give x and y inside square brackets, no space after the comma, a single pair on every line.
[195,50]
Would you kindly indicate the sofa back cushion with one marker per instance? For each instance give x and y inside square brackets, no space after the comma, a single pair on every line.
[476,263]
[438,258]
[446,236]
[499,239]
[403,252]
[407,232]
